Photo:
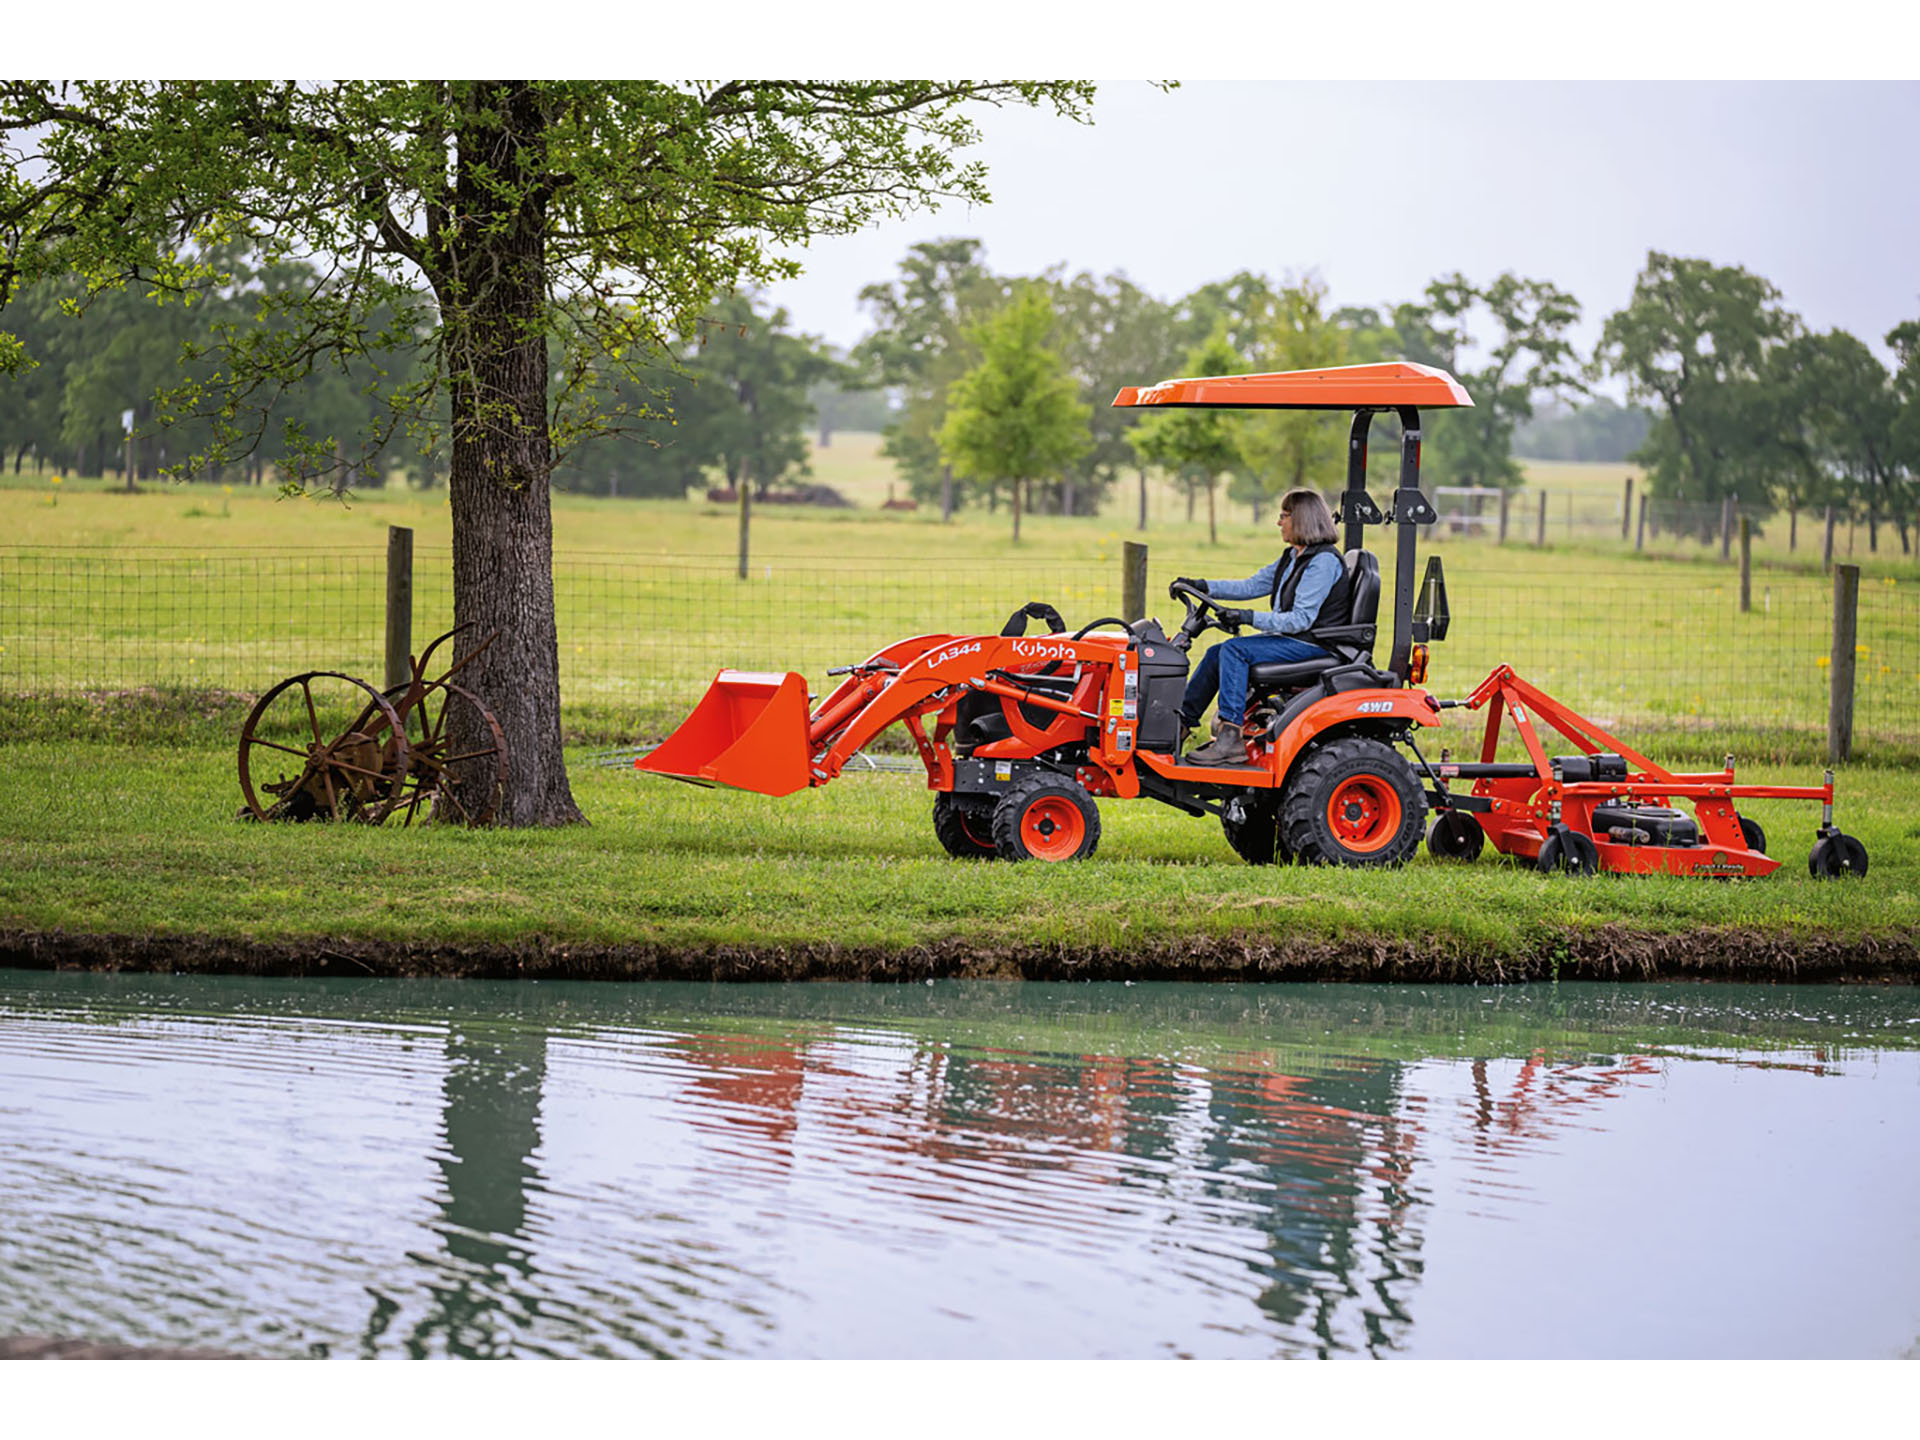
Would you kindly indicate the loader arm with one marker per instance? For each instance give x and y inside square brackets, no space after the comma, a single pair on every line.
[937,676]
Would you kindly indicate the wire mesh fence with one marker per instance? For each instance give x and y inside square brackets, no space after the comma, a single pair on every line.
[1632,520]
[639,639]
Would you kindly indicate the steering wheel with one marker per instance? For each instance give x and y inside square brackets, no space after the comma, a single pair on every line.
[1198,604]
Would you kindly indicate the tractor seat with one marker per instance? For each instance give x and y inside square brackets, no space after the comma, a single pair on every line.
[1347,644]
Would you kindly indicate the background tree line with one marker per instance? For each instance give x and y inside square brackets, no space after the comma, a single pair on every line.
[1729,393]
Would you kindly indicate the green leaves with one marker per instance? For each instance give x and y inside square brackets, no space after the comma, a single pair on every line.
[1016,415]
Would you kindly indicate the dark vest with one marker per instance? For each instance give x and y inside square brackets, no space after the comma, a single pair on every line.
[1337,608]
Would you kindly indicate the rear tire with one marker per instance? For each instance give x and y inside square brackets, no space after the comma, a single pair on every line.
[1251,823]
[1353,801]
[1046,817]
[965,827]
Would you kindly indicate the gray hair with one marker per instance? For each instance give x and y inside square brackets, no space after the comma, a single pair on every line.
[1312,520]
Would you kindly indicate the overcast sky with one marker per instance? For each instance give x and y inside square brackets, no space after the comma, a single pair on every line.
[1380,187]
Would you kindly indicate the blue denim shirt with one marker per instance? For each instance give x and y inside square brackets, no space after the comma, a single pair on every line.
[1322,571]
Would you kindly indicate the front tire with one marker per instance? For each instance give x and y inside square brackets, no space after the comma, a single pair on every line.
[1353,801]
[1046,817]
[965,827]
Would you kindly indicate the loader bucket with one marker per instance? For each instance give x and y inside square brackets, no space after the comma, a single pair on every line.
[749,731]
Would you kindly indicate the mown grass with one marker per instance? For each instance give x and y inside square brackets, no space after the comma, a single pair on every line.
[142,840]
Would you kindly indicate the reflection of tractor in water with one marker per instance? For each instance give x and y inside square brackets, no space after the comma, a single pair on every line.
[1020,734]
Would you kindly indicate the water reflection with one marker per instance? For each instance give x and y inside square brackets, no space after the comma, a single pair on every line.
[489,1131]
[955,1170]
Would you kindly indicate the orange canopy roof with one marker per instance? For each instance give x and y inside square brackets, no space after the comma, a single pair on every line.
[1347,387]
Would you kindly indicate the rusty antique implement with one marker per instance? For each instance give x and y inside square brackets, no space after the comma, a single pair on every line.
[364,754]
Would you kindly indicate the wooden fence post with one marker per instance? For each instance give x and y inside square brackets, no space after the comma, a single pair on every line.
[1826,552]
[1540,530]
[1746,564]
[1640,531]
[1626,511]
[1506,500]
[746,518]
[1726,528]
[399,605]
[1133,581]
[1846,614]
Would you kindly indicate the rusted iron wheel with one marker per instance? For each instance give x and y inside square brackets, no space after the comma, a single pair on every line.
[323,746]
[464,787]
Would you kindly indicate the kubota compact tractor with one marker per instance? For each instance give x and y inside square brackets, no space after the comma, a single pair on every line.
[1020,733]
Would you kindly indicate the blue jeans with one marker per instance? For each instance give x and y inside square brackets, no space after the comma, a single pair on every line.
[1224,669]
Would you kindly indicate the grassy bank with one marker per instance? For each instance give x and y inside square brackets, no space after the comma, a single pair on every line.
[140,842]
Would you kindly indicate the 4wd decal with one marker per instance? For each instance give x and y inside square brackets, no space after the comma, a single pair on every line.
[1375,707]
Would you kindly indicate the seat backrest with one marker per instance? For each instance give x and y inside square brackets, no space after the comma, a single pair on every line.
[1363,581]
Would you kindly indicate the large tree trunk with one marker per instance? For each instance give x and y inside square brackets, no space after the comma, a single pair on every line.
[502,454]
[1016,512]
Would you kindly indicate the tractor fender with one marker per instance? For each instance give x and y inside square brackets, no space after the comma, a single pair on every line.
[1361,712]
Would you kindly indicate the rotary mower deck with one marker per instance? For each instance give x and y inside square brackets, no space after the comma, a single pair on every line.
[1019,734]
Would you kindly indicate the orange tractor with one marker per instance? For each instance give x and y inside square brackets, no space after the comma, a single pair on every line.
[1020,734]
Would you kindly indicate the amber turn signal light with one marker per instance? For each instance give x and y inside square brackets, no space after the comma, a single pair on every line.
[1417,666]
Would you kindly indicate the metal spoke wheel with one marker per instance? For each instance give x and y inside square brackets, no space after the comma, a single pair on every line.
[459,770]
[323,746]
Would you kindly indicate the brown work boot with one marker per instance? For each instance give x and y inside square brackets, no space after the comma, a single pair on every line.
[1229,747]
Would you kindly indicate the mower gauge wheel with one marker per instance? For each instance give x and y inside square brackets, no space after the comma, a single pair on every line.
[1046,817]
[1836,855]
[1570,851]
[1751,832]
[964,827]
[1455,835]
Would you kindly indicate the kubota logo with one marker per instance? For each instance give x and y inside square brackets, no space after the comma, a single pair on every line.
[1037,650]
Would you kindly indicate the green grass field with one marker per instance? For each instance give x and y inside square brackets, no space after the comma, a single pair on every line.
[116,808]
[196,586]
[140,840]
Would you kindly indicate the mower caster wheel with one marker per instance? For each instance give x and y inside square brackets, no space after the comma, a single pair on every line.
[1046,817]
[1751,832]
[1352,801]
[1570,851]
[964,827]
[1836,855]
[1455,835]
[1251,823]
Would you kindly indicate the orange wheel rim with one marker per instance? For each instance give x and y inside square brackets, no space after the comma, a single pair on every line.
[1364,813]
[1052,828]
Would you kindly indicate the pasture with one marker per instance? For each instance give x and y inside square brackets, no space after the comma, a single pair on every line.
[205,587]
[134,627]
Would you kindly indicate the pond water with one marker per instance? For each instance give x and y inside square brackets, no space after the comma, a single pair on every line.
[395,1168]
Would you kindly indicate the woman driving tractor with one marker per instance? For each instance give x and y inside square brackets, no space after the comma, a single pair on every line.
[1307,586]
